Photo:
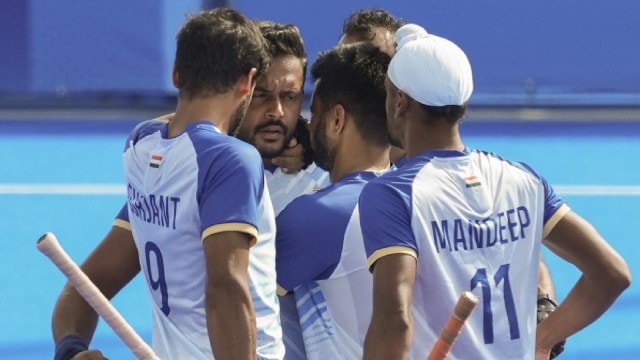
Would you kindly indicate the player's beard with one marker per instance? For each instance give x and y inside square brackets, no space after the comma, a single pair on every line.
[238,117]
[267,151]
[324,154]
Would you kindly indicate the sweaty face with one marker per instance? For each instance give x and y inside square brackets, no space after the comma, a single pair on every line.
[324,150]
[272,115]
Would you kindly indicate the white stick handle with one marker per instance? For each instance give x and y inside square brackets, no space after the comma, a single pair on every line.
[48,245]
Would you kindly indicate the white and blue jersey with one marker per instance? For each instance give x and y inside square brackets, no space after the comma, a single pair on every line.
[474,222]
[180,191]
[321,257]
[284,188]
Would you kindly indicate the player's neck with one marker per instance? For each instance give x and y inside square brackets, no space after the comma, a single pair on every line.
[216,109]
[359,157]
[420,138]
[396,154]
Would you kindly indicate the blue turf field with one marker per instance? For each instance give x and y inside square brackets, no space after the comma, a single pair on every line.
[594,166]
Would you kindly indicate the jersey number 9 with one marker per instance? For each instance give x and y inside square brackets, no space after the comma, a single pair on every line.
[157,282]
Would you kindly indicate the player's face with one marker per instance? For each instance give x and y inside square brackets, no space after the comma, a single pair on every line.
[324,149]
[393,125]
[275,106]
[383,39]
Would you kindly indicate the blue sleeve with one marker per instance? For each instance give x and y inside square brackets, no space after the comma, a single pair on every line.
[385,217]
[230,185]
[552,202]
[123,214]
[309,240]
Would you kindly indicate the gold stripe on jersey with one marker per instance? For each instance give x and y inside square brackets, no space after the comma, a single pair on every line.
[122,224]
[380,253]
[554,219]
[239,227]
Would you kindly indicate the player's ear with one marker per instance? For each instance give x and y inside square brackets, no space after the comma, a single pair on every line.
[338,118]
[175,78]
[402,104]
[246,83]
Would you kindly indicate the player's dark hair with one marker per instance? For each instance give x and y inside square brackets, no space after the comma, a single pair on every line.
[284,40]
[361,24]
[215,48]
[452,113]
[354,76]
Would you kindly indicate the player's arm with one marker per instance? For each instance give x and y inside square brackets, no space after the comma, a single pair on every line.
[391,328]
[110,266]
[307,250]
[545,282]
[231,319]
[605,275]
[547,302]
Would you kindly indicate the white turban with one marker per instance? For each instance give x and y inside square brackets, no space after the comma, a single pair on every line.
[432,70]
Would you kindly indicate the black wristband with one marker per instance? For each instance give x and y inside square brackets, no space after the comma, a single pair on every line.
[69,346]
[546,298]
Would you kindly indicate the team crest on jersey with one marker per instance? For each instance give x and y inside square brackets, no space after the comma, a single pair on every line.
[156,160]
[472,181]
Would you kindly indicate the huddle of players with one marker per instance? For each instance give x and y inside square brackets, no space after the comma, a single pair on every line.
[414,218]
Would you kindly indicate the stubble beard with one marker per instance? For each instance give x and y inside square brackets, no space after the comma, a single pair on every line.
[238,117]
[323,155]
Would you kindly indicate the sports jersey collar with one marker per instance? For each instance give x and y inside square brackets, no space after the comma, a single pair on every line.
[439,153]
[403,160]
[202,124]
[359,176]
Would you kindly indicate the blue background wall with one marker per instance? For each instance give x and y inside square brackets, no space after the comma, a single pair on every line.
[568,51]
[550,52]
[74,47]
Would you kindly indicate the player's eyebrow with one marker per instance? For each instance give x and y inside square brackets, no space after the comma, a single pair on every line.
[292,91]
[261,88]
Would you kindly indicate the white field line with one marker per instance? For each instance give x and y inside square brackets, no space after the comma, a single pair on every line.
[120,189]
[63,189]
[597,190]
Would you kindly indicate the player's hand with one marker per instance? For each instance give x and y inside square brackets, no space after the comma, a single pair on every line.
[545,307]
[291,159]
[89,355]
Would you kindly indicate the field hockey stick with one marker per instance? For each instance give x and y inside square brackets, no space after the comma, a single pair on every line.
[464,307]
[48,244]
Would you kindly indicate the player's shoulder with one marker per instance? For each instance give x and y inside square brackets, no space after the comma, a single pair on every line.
[334,198]
[304,202]
[394,176]
[146,128]
[240,150]
[318,205]
[208,140]
[397,183]
[503,161]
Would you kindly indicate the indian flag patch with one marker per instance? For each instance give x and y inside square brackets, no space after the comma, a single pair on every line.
[155,161]
[472,181]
